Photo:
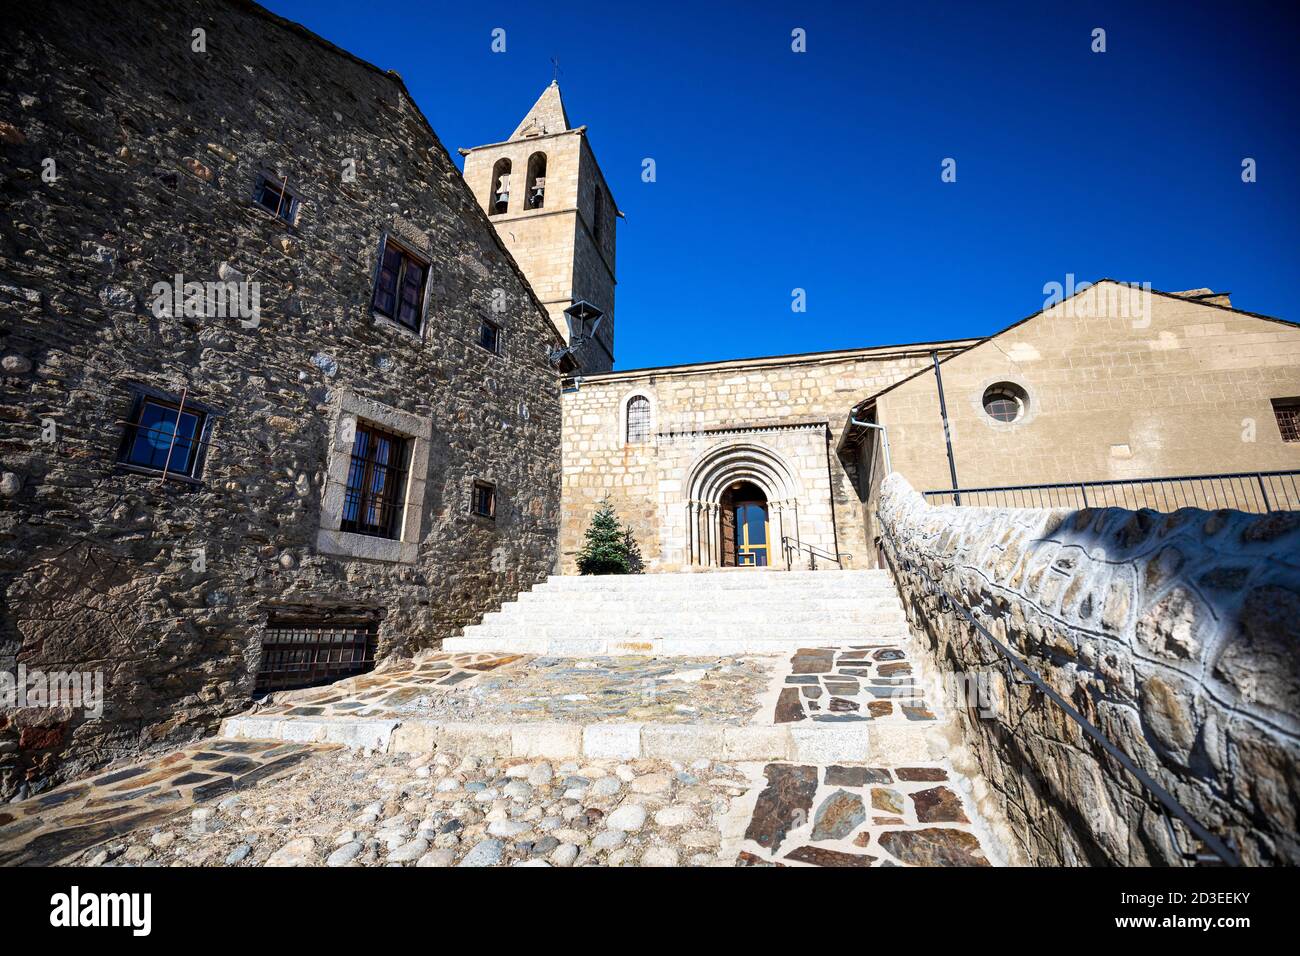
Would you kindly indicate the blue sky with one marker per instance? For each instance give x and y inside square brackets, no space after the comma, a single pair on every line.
[821,170]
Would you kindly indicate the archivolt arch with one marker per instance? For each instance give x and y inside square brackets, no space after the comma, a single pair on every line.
[721,466]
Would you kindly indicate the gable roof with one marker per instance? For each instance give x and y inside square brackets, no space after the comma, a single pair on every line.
[1195,296]
[547,115]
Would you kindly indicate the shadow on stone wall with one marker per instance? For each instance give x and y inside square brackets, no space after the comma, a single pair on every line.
[1177,635]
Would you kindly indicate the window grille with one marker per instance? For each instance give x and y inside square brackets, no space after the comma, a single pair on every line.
[638,420]
[375,497]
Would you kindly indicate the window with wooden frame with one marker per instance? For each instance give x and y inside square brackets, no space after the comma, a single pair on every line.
[275,196]
[484,499]
[375,498]
[489,335]
[1287,413]
[165,434]
[399,285]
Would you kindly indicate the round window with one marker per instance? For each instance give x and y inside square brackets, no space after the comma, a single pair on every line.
[1005,401]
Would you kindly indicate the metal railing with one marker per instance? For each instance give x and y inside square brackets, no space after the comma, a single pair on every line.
[794,548]
[1221,851]
[1252,491]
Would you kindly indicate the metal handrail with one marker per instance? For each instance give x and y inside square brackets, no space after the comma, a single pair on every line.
[1219,847]
[1166,489]
[792,545]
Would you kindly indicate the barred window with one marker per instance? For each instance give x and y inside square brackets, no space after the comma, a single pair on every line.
[638,419]
[376,490]
[1287,411]
[305,652]
[164,434]
[399,287]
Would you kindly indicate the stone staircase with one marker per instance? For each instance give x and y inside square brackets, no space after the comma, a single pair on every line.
[739,611]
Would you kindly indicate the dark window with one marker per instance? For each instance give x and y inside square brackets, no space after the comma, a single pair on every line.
[484,501]
[310,651]
[376,491]
[275,196]
[489,335]
[638,419]
[598,216]
[1287,411]
[165,435]
[399,289]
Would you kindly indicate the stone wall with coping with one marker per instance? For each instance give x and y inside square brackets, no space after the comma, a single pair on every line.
[1177,635]
[157,147]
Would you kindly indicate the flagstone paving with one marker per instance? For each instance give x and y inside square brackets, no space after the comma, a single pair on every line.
[513,688]
[851,815]
[851,684]
[72,818]
[384,691]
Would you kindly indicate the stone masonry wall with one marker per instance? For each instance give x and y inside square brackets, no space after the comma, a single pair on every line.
[695,408]
[156,147]
[1177,635]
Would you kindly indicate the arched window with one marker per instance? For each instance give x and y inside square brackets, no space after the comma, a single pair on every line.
[598,216]
[638,419]
[536,195]
[499,200]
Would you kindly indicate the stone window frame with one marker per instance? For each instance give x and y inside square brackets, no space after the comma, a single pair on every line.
[1031,403]
[265,175]
[411,249]
[141,393]
[330,538]
[623,404]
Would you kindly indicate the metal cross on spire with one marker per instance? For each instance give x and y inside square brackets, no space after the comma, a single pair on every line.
[555,69]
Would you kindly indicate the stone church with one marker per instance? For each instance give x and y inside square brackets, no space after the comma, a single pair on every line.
[777,461]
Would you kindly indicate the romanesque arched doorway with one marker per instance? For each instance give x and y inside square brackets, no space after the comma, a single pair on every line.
[741,503]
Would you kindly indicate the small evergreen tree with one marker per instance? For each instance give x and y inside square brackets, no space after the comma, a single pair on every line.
[635,564]
[606,547]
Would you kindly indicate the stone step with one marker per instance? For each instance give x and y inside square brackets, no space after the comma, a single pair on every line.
[830,601]
[636,629]
[695,645]
[754,579]
[659,617]
[806,742]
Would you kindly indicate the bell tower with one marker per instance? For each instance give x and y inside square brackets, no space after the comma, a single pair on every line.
[545,193]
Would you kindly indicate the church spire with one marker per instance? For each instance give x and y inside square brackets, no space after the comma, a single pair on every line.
[546,116]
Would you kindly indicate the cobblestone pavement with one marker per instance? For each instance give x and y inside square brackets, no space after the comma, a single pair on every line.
[849,684]
[286,805]
[367,809]
[849,815]
[71,818]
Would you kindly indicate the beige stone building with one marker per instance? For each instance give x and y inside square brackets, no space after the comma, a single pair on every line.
[775,461]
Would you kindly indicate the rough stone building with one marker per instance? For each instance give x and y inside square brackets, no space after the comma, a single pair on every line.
[746,462]
[547,198]
[346,444]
